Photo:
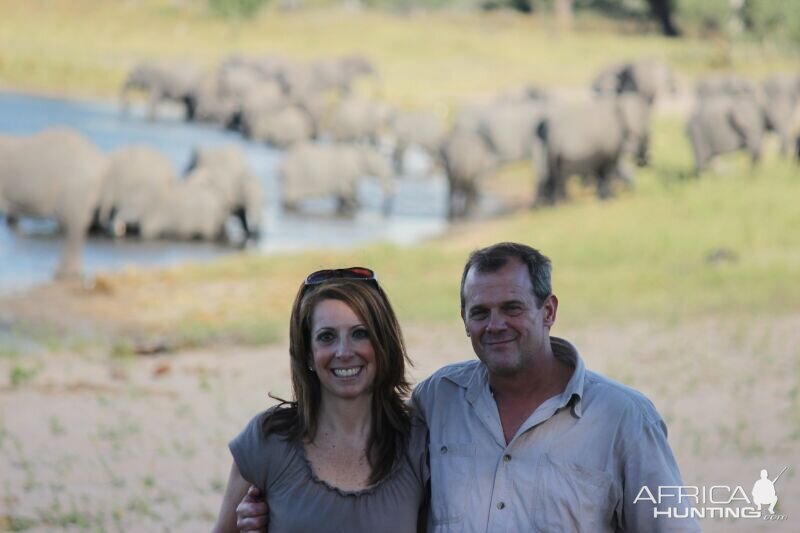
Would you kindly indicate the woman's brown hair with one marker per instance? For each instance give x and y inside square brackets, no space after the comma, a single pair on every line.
[297,419]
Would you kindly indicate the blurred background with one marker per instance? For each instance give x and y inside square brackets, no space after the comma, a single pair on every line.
[171,169]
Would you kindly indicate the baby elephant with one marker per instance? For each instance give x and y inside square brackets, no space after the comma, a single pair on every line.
[322,170]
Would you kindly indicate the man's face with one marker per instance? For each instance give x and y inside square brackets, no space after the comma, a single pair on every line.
[507,329]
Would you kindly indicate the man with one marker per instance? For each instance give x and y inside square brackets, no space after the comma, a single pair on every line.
[525,438]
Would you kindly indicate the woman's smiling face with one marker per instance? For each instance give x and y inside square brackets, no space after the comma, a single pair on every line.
[342,353]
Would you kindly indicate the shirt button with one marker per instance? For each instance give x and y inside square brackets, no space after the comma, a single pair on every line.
[501,505]
[506,458]
[444,449]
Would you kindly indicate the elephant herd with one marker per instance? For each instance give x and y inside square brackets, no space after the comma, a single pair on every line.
[59,174]
[732,113]
[333,138]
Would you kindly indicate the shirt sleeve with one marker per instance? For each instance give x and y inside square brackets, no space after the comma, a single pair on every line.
[249,449]
[648,462]
[418,449]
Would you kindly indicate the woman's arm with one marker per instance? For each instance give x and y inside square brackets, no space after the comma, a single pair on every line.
[234,492]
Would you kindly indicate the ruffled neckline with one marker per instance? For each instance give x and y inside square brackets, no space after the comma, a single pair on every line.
[301,449]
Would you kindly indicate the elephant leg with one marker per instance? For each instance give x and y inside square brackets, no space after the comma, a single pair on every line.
[152,102]
[603,183]
[470,200]
[346,206]
[754,148]
[545,191]
[624,173]
[456,202]
[69,266]
[397,158]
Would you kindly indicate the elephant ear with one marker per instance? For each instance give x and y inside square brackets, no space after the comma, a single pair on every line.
[634,115]
[745,119]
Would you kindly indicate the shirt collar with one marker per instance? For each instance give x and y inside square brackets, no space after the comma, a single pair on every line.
[477,379]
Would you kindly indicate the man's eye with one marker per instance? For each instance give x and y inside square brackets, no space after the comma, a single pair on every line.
[478,315]
[514,310]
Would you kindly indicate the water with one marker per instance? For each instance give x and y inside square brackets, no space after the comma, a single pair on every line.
[30,255]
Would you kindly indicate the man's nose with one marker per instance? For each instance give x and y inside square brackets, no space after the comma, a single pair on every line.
[497,322]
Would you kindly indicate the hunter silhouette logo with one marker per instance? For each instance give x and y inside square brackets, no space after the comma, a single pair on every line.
[714,501]
[764,490]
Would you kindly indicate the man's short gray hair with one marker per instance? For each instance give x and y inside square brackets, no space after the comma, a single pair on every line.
[494,257]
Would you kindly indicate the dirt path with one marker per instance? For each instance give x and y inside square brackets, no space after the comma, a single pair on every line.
[139,444]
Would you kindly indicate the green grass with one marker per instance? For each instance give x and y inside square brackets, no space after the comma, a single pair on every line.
[85,47]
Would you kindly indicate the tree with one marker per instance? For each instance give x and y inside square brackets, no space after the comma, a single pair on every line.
[662,11]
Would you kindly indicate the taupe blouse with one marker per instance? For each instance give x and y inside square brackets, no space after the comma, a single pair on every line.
[300,502]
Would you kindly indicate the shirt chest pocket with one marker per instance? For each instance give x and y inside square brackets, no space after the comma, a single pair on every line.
[571,497]
[452,472]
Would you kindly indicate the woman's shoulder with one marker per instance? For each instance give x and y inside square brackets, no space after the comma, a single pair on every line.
[260,454]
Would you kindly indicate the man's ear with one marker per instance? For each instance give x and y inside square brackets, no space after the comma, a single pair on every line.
[464,320]
[550,308]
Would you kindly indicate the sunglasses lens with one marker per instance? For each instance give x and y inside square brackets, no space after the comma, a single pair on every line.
[321,276]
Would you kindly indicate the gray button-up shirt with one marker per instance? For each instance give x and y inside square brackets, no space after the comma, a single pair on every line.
[576,464]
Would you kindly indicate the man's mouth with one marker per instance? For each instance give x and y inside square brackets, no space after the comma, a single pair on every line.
[497,342]
[347,372]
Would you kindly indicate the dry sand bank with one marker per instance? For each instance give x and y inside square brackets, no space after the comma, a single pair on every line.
[139,444]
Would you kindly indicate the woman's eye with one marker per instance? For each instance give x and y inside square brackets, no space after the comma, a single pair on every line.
[361,333]
[325,336]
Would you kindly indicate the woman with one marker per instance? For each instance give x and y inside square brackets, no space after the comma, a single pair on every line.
[345,454]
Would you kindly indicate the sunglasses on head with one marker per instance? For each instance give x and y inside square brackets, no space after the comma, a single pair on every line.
[358,273]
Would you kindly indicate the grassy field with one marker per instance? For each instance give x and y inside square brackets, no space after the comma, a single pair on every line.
[85,47]
[647,254]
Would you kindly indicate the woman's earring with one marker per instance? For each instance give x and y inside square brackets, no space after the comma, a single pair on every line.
[311,368]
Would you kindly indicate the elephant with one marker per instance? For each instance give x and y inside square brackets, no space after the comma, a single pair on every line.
[467,160]
[509,129]
[56,173]
[281,128]
[722,84]
[646,77]
[137,179]
[267,66]
[298,80]
[415,128]
[211,105]
[190,210]
[261,99]
[314,170]
[567,143]
[358,120]
[725,124]
[338,74]
[524,94]
[782,99]
[163,82]
[225,171]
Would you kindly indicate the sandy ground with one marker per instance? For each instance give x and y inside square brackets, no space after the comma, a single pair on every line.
[139,444]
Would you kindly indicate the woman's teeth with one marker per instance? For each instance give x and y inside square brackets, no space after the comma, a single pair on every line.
[346,372]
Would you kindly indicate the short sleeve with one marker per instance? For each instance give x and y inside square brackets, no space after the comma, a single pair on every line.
[648,461]
[418,449]
[249,449]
